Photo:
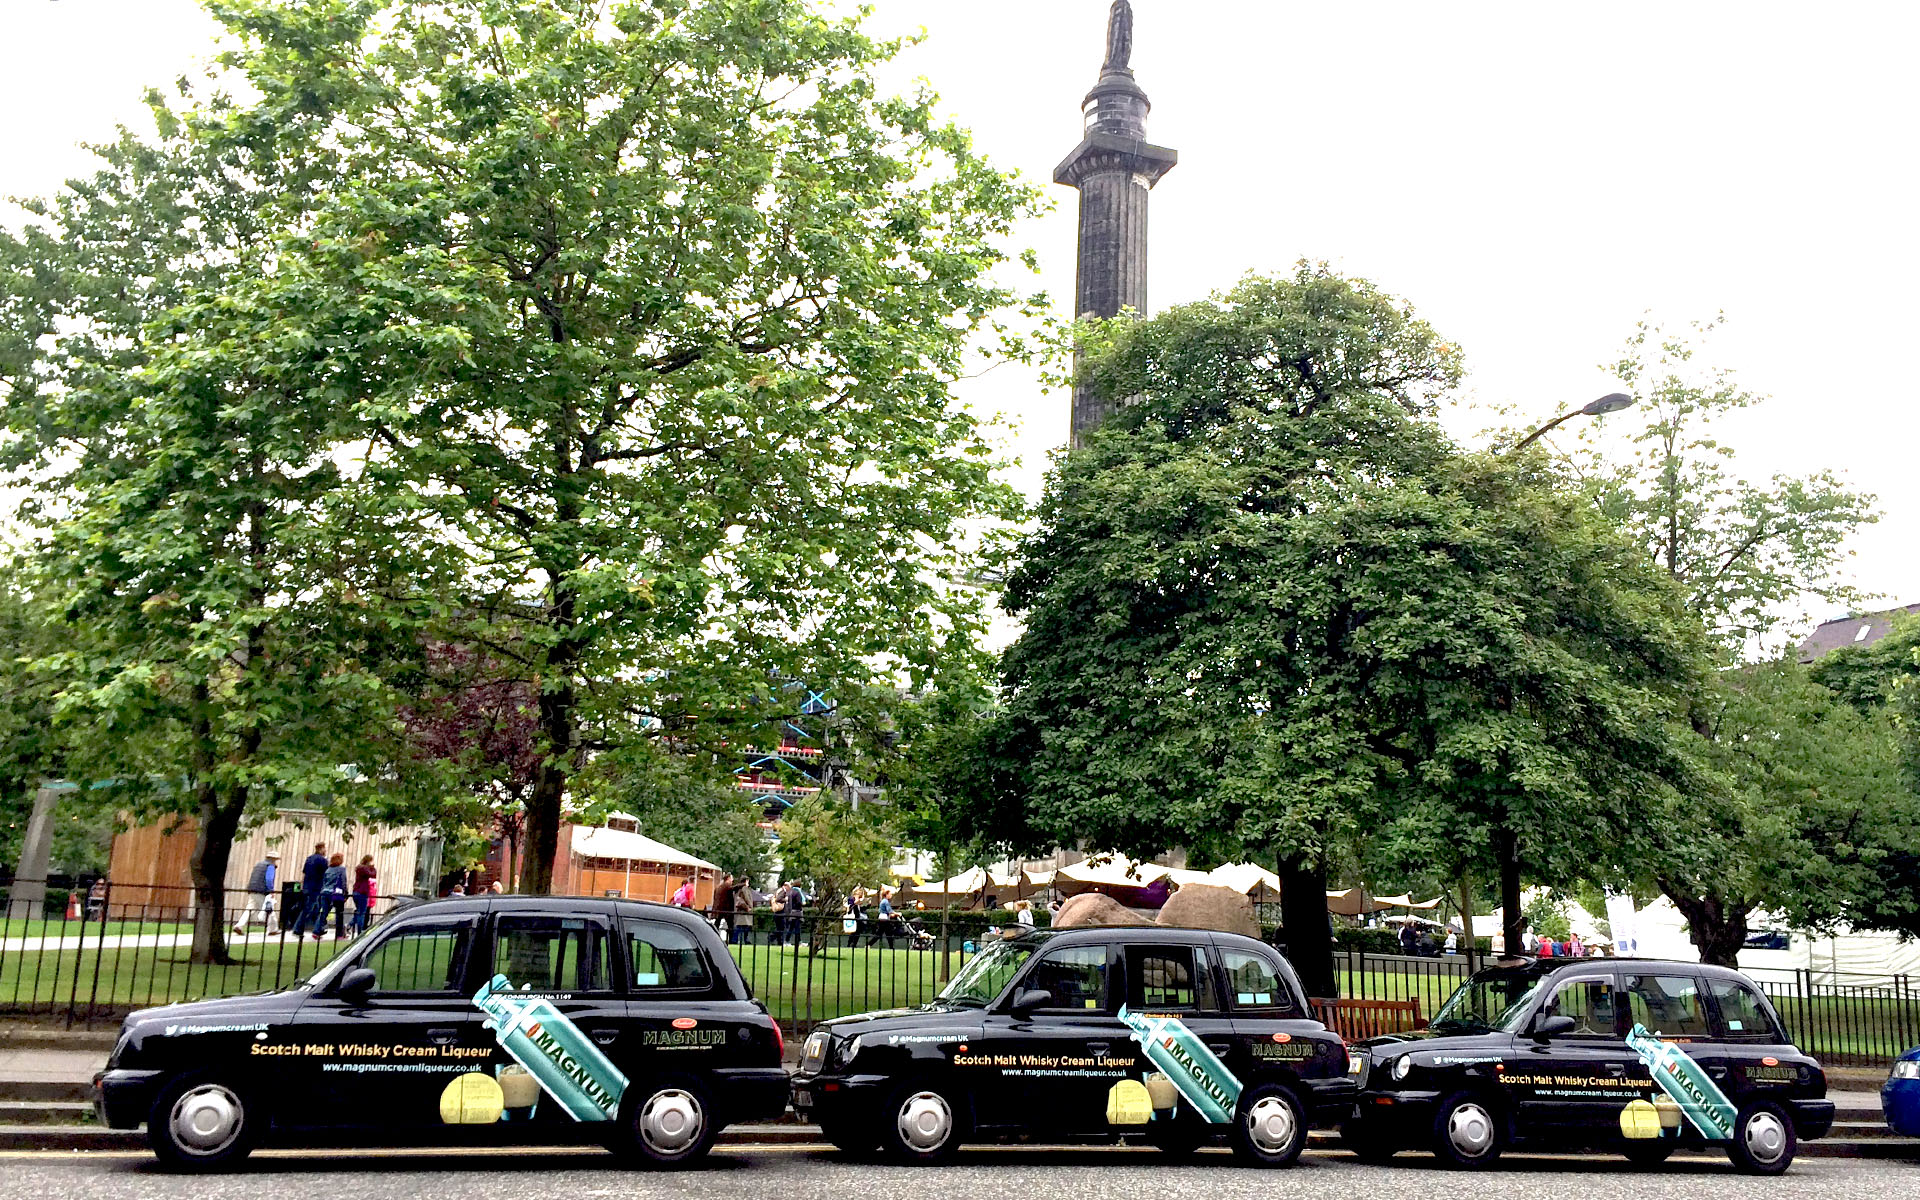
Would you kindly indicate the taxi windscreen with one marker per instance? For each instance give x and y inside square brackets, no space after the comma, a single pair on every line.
[987,973]
[1491,1001]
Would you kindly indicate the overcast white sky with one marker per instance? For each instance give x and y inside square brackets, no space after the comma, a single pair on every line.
[1533,177]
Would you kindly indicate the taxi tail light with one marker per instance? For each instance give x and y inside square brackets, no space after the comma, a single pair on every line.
[779,1043]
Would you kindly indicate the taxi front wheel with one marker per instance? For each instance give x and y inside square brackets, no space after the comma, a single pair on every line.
[1468,1131]
[668,1123]
[203,1123]
[1269,1130]
[1763,1139]
[923,1123]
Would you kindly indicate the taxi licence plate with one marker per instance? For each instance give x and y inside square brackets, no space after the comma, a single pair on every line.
[802,1098]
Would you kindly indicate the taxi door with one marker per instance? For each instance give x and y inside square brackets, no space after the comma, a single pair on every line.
[1580,1080]
[565,959]
[1272,1032]
[387,1058]
[1177,980]
[1056,1063]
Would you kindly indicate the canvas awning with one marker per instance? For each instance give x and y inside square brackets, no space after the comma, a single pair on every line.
[1118,873]
[1405,902]
[622,846]
[1249,879]
[1353,902]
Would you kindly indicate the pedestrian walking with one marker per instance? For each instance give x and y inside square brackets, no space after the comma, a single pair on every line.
[720,908]
[364,885]
[796,910]
[313,873]
[742,932]
[782,896]
[259,898]
[683,895]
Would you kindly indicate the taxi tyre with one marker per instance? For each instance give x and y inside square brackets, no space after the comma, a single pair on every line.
[1257,1121]
[1469,1130]
[1764,1141]
[909,1122]
[656,1117]
[204,1122]
[1649,1153]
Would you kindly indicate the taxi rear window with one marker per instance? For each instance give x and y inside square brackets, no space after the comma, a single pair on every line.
[1743,1017]
[1254,983]
[664,957]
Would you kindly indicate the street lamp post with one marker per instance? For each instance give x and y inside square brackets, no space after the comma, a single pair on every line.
[1611,402]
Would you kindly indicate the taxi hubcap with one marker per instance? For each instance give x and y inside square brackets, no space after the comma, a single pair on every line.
[1271,1125]
[926,1121]
[206,1119]
[1470,1129]
[671,1120]
[1766,1137]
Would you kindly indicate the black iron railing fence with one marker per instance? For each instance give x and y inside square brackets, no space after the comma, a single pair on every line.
[129,948]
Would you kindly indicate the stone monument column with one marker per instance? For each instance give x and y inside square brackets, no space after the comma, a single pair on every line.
[1114,168]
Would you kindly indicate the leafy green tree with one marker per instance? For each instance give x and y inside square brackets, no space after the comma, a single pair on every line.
[1747,555]
[669,302]
[1811,794]
[834,847]
[221,566]
[1269,606]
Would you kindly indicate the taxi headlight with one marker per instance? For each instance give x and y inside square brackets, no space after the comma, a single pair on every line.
[1909,1069]
[816,1047]
[1402,1065]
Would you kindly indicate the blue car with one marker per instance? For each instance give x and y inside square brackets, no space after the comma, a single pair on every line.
[1900,1095]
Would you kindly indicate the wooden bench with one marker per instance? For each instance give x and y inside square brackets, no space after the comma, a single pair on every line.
[1356,1019]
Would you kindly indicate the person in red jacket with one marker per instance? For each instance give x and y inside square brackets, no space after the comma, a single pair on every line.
[365,878]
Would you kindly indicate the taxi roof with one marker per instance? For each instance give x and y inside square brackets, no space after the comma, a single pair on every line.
[1547,966]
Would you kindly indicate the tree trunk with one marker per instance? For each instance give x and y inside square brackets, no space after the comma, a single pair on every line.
[1303,923]
[212,848]
[1716,926]
[946,910]
[1513,918]
[1466,917]
[545,805]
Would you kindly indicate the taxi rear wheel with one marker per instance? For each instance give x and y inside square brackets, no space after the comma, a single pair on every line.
[203,1123]
[923,1123]
[1763,1139]
[1468,1131]
[1269,1128]
[667,1123]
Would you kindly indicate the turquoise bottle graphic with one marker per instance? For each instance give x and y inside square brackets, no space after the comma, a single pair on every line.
[538,1036]
[1704,1105]
[1199,1075]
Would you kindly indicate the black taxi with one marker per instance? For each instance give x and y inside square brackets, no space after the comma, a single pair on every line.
[1173,1036]
[1637,1056]
[485,1021]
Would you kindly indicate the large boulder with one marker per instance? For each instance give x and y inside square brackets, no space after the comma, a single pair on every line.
[1203,906]
[1093,908]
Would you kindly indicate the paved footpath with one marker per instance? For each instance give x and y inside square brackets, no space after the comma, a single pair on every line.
[984,1173]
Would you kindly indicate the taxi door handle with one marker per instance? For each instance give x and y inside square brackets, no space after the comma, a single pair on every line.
[605,1037]
[1099,1047]
[442,1037]
[1220,1047]
[1616,1070]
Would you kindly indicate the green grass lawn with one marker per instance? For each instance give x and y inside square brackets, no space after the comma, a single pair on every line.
[147,975]
[58,928]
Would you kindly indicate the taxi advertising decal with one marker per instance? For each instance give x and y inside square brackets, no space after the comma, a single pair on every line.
[1200,1076]
[1704,1105]
[567,1066]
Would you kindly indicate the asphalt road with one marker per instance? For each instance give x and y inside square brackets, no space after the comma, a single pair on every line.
[985,1173]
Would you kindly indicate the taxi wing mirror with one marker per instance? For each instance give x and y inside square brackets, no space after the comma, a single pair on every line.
[1552,1026]
[1027,999]
[356,984]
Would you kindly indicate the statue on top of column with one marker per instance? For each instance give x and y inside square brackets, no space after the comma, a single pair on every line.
[1119,37]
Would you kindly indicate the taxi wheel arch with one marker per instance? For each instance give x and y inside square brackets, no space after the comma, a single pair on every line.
[1764,1140]
[1269,1125]
[1469,1129]
[203,1121]
[924,1120]
[666,1121]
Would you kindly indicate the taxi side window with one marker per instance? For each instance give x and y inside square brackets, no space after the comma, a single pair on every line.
[1161,977]
[1743,1017]
[551,953]
[1593,1003]
[421,959]
[1669,1005]
[1253,983]
[1073,978]
[664,956]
